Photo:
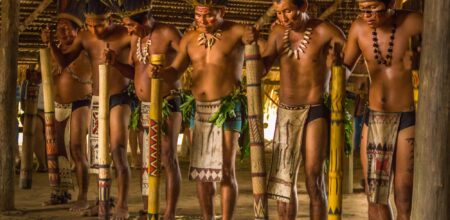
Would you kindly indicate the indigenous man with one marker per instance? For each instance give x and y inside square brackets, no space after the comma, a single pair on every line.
[100,36]
[215,48]
[302,45]
[381,35]
[150,37]
[73,89]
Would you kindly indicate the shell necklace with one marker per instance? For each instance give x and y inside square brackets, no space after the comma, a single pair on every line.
[142,53]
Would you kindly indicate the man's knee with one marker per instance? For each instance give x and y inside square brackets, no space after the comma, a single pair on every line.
[315,187]
[403,198]
[77,152]
[169,158]
[228,175]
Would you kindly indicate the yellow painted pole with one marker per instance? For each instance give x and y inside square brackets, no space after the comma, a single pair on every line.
[154,160]
[50,132]
[104,176]
[30,114]
[337,139]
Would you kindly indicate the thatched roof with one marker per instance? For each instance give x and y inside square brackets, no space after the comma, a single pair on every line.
[176,12]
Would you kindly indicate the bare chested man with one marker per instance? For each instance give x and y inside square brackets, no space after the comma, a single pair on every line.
[381,35]
[150,37]
[73,89]
[216,51]
[100,35]
[302,45]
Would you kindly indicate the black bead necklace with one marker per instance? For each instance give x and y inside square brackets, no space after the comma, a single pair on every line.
[376,46]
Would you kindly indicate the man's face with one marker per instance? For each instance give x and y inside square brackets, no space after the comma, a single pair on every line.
[132,26]
[65,32]
[373,12]
[97,26]
[208,18]
[287,12]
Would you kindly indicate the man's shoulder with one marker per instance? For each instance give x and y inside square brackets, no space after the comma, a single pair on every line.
[408,17]
[357,25]
[166,28]
[325,26]
[232,26]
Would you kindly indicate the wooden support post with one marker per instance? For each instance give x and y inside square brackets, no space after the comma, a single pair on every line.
[154,158]
[49,109]
[431,188]
[337,139]
[30,114]
[104,176]
[8,108]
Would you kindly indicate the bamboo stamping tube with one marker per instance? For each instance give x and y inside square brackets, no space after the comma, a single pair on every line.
[30,114]
[255,119]
[337,142]
[104,178]
[154,162]
[49,109]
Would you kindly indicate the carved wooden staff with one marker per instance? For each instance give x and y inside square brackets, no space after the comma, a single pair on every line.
[154,161]
[337,137]
[30,114]
[104,177]
[413,46]
[49,109]
[255,119]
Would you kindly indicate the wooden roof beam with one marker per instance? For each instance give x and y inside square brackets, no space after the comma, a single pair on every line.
[44,4]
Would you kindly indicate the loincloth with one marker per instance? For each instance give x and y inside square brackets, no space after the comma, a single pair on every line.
[381,141]
[207,144]
[287,145]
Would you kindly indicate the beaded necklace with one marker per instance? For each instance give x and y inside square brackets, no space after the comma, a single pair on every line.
[142,53]
[376,46]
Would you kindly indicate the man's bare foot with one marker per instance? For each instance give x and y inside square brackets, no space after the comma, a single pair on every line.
[58,199]
[80,205]
[41,169]
[142,215]
[93,210]
[121,214]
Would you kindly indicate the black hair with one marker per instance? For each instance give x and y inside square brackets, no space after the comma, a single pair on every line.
[298,3]
[141,17]
[97,7]
[214,2]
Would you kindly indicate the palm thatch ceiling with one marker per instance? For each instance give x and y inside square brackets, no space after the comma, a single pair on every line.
[176,12]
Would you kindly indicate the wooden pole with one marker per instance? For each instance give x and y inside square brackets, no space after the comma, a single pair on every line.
[154,160]
[8,107]
[255,122]
[337,139]
[431,188]
[104,176]
[49,109]
[30,114]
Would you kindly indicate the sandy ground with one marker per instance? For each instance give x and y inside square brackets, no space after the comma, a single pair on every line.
[29,201]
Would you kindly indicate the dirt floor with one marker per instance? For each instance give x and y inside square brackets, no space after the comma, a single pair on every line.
[29,201]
